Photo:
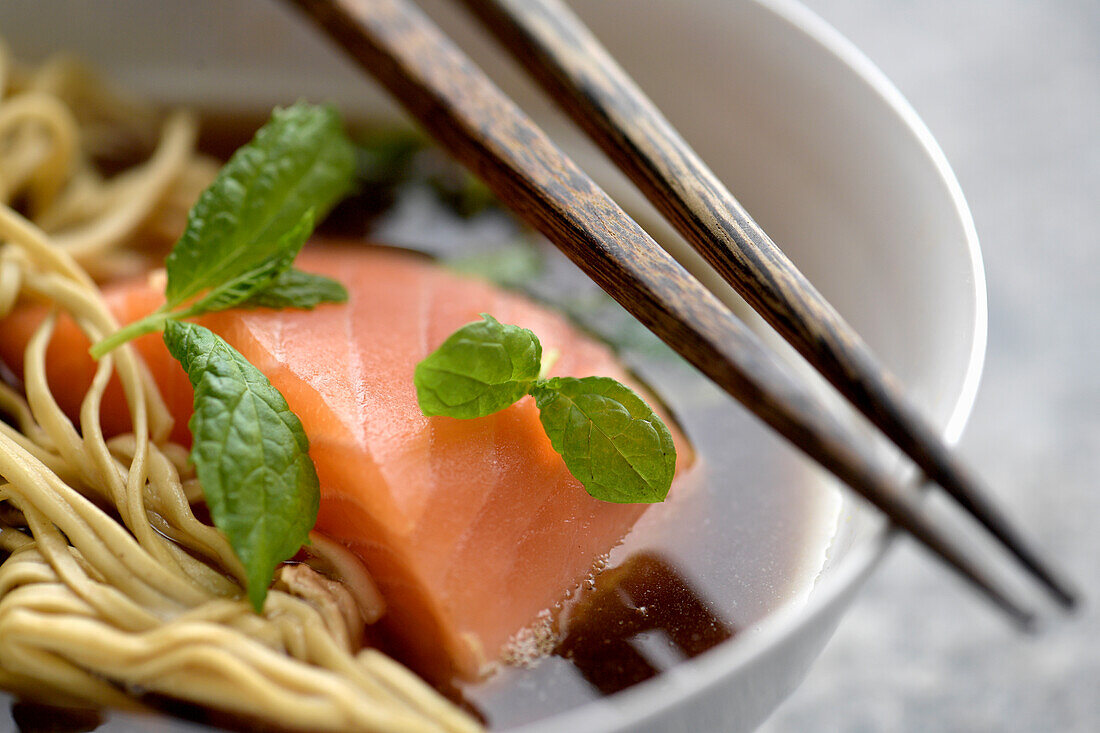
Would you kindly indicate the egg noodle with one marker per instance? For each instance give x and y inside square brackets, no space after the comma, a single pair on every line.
[110,587]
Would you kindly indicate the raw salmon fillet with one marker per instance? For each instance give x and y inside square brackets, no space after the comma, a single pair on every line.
[470,527]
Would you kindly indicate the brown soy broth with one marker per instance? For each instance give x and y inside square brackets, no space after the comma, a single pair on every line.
[738,541]
[744,534]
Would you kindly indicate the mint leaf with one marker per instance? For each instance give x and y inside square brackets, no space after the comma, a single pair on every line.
[250,453]
[298,161]
[249,284]
[610,439]
[480,369]
[296,289]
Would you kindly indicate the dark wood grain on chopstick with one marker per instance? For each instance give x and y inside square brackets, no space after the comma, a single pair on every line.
[484,130]
[588,83]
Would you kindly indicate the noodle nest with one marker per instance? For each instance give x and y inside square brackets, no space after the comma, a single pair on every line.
[110,588]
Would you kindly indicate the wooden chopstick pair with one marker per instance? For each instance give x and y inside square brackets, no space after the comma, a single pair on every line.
[488,133]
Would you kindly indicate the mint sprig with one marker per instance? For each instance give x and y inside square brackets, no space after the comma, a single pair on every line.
[610,439]
[299,161]
[246,229]
[249,450]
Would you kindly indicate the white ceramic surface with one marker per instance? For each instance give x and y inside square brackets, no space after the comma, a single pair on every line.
[816,143]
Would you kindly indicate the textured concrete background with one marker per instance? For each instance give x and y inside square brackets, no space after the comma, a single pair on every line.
[1011,89]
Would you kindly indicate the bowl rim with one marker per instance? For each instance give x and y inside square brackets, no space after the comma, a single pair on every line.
[636,703]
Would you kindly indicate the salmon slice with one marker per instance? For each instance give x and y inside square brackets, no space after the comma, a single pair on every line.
[469,527]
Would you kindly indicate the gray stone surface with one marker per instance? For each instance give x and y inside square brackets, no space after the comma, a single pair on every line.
[1011,89]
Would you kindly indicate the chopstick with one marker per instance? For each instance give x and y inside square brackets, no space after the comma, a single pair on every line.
[586,81]
[485,130]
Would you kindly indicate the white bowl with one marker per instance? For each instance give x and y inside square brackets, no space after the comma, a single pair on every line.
[817,144]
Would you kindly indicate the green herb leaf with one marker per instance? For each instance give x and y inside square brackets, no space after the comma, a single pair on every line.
[480,369]
[250,454]
[511,267]
[248,285]
[298,161]
[296,289]
[384,156]
[610,439]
